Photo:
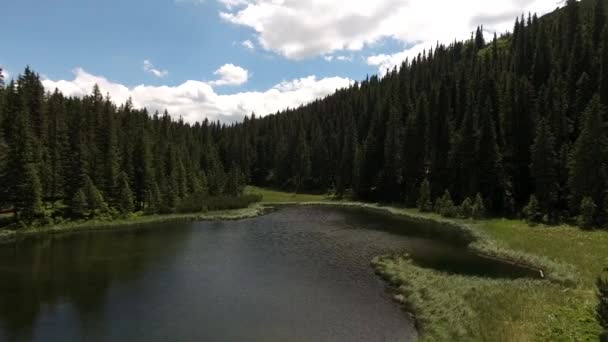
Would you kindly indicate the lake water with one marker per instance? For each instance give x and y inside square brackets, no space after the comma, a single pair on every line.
[298,274]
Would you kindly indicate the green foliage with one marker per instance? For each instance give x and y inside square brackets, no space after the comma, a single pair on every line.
[544,167]
[532,212]
[445,206]
[466,208]
[425,203]
[504,120]
[124,203]
[587,211]
[201,202]
[234,182]
[78,204]
[94,199]
[479,208]
[602,306]
[587,175]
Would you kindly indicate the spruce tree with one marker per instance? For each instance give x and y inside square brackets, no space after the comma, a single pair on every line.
[479,208]
[22,178]
[544,167]
[425,203]
[124,203]
[94,198]
[599,23]
[587,177]
[78,204]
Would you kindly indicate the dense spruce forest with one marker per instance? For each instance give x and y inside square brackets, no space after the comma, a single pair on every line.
[515,125]
[518,120]
[87,158]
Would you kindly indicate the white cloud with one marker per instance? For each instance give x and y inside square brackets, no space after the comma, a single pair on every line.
[149,68]
[299,29]
[6,74]
[248,44]
[230,74]
[195,100]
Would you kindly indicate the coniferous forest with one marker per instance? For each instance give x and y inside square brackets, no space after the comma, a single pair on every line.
[515,125]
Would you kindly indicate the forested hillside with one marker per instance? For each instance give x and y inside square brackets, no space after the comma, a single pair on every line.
[519,120]
[520,116]
[86,157]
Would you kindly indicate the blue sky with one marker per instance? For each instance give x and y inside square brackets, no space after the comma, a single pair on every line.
[190,56]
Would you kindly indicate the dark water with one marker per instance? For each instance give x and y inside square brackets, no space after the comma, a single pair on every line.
[299,274]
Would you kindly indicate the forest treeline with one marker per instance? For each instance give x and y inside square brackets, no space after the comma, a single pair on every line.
[71,157]
[519,120]
[514,125]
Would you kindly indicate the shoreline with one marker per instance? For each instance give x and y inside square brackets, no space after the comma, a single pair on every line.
[11,236]
[443,306]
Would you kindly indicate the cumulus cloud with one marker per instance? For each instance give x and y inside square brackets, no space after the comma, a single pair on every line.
[149,68]
[248,44]
[196,100]
[230,74]
[341,58]
[5,74]
[298,29]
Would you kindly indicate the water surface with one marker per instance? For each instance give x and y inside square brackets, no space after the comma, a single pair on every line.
[298,274]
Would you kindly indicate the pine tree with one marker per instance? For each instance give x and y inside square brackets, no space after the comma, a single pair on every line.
[466,208]
[393,161]
[234,183]
[78,204]
[479,208]
[94,198]
[445,206]
[24,188]
[489,171]
[532,211]
[543,167]
[603,78]
[425,203]
[599,23]
[587,176]
[588,211]
[124,202]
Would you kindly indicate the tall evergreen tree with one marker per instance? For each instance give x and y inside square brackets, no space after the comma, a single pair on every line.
[587,175]
[543,167]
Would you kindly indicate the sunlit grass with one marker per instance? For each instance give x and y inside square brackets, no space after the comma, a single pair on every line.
[7,236]
[274,196]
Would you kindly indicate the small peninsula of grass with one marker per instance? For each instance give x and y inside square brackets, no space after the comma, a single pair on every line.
[451,307]
[7,236]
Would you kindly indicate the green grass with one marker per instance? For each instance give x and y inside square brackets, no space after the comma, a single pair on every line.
[452,307]
[460,308]
[279,197]
[8,236]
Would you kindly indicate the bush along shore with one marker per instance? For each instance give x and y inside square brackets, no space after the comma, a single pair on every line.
[201,208]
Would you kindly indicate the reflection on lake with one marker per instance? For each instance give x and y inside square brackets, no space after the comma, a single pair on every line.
[299,274]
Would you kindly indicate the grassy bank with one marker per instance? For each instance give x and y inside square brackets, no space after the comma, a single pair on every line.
[7,236]
[456,308]
[453,307]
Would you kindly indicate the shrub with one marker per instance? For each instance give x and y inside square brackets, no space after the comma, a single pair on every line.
[200,202]
[532,212]
[445,206]
[479,209]
[587,217]
[602,306]
[466,208]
